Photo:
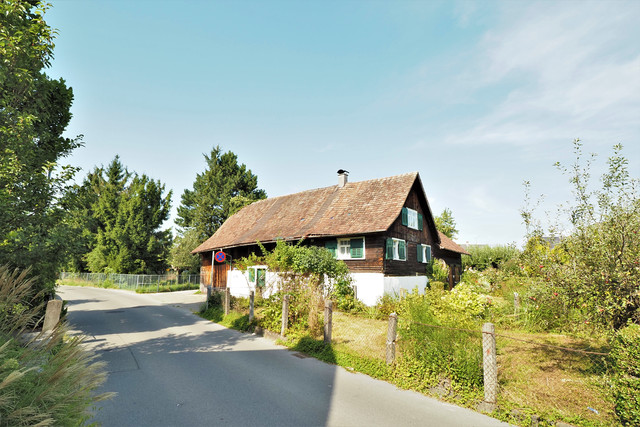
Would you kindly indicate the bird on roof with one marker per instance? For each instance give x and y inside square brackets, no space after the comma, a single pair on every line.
[341,171]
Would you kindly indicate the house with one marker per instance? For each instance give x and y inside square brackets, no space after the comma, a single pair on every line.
[383,229]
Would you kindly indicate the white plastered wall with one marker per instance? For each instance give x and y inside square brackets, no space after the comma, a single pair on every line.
[369,286]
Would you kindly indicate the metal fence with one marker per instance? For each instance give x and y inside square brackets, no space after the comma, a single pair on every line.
[133,281]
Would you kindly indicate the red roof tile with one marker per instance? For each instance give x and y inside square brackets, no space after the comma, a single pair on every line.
[357,208]
[450,245]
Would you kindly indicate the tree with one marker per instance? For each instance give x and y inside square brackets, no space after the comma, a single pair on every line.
[126,210]
[180,256]
[34,112]
[446,224]
[221,190]
[595,269]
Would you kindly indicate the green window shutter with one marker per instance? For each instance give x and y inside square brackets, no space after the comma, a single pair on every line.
[420,257]
[357,248]
[420,221]
[262,273]
[332,245]
[389,251]
[402,250]
[252,275]
[405,216]
[428,254]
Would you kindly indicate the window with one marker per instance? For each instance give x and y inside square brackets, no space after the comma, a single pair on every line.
[396,249]
[412,219]
[257,276]
[346,248]
[424,253]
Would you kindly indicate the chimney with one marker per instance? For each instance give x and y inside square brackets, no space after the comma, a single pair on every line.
[342,177]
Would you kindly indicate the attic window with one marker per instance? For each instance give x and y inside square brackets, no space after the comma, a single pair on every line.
[412,219]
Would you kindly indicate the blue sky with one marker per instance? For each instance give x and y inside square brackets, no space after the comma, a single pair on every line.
[476,96]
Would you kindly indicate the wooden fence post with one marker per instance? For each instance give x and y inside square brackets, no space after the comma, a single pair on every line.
[227,301]
[285,315]
[490,365]
[251,299]
[391,338]
[328,320]
[52,314]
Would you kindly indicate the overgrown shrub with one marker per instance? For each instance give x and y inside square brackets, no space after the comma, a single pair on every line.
[485,256]
[438,270]
[49,381]
[443,351]
[626,382]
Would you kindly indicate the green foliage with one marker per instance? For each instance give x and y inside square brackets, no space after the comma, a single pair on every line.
[180,256]
[438,270]
[51,382]
[596,268]
[307,274]
[626,383]
[218,192]
[34,112]
[485,256]
[124,213]
[446,224]
[442,351]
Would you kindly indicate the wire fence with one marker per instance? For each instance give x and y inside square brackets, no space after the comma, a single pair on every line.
[135,281]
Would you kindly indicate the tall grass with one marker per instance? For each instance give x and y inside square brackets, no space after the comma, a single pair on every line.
[49,380]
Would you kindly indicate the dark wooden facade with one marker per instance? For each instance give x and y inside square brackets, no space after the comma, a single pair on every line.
[375,246]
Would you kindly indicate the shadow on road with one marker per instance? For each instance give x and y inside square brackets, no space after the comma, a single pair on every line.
[170,367]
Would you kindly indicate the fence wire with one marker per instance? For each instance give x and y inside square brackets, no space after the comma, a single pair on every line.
[134,281]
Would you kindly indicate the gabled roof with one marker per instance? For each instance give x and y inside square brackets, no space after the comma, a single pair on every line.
[357,208]
[450,245]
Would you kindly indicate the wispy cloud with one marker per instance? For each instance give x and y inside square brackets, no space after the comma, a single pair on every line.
[565,69]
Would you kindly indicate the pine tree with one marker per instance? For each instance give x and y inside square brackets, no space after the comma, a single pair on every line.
[127,211]
[218,192]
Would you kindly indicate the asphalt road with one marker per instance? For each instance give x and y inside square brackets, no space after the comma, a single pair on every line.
[172,368]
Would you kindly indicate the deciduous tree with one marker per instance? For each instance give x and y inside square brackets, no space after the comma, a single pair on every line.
[446,224]
[34,112]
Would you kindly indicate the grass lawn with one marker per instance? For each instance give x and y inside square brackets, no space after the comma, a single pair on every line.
[552,381]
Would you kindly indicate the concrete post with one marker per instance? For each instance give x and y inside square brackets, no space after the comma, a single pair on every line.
[251,299]
[392,329]
[227,301]
[328,320]
[52,314]
[208,296]
[490,363]
[516,303]
[285,315]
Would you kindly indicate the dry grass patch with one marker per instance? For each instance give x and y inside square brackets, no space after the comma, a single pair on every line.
[552,380]
[359,335]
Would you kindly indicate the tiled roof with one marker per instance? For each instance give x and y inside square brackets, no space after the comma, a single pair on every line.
[357,208]
[450,245]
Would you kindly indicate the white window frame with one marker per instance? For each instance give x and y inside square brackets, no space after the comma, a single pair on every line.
[343,244]
[346,244]
[412,218]
[396,249]
[424,253]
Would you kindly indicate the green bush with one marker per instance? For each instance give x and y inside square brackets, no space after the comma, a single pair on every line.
[484,256]
[626,382]
[442,351]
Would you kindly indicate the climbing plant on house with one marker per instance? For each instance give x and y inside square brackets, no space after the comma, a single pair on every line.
[308,274]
